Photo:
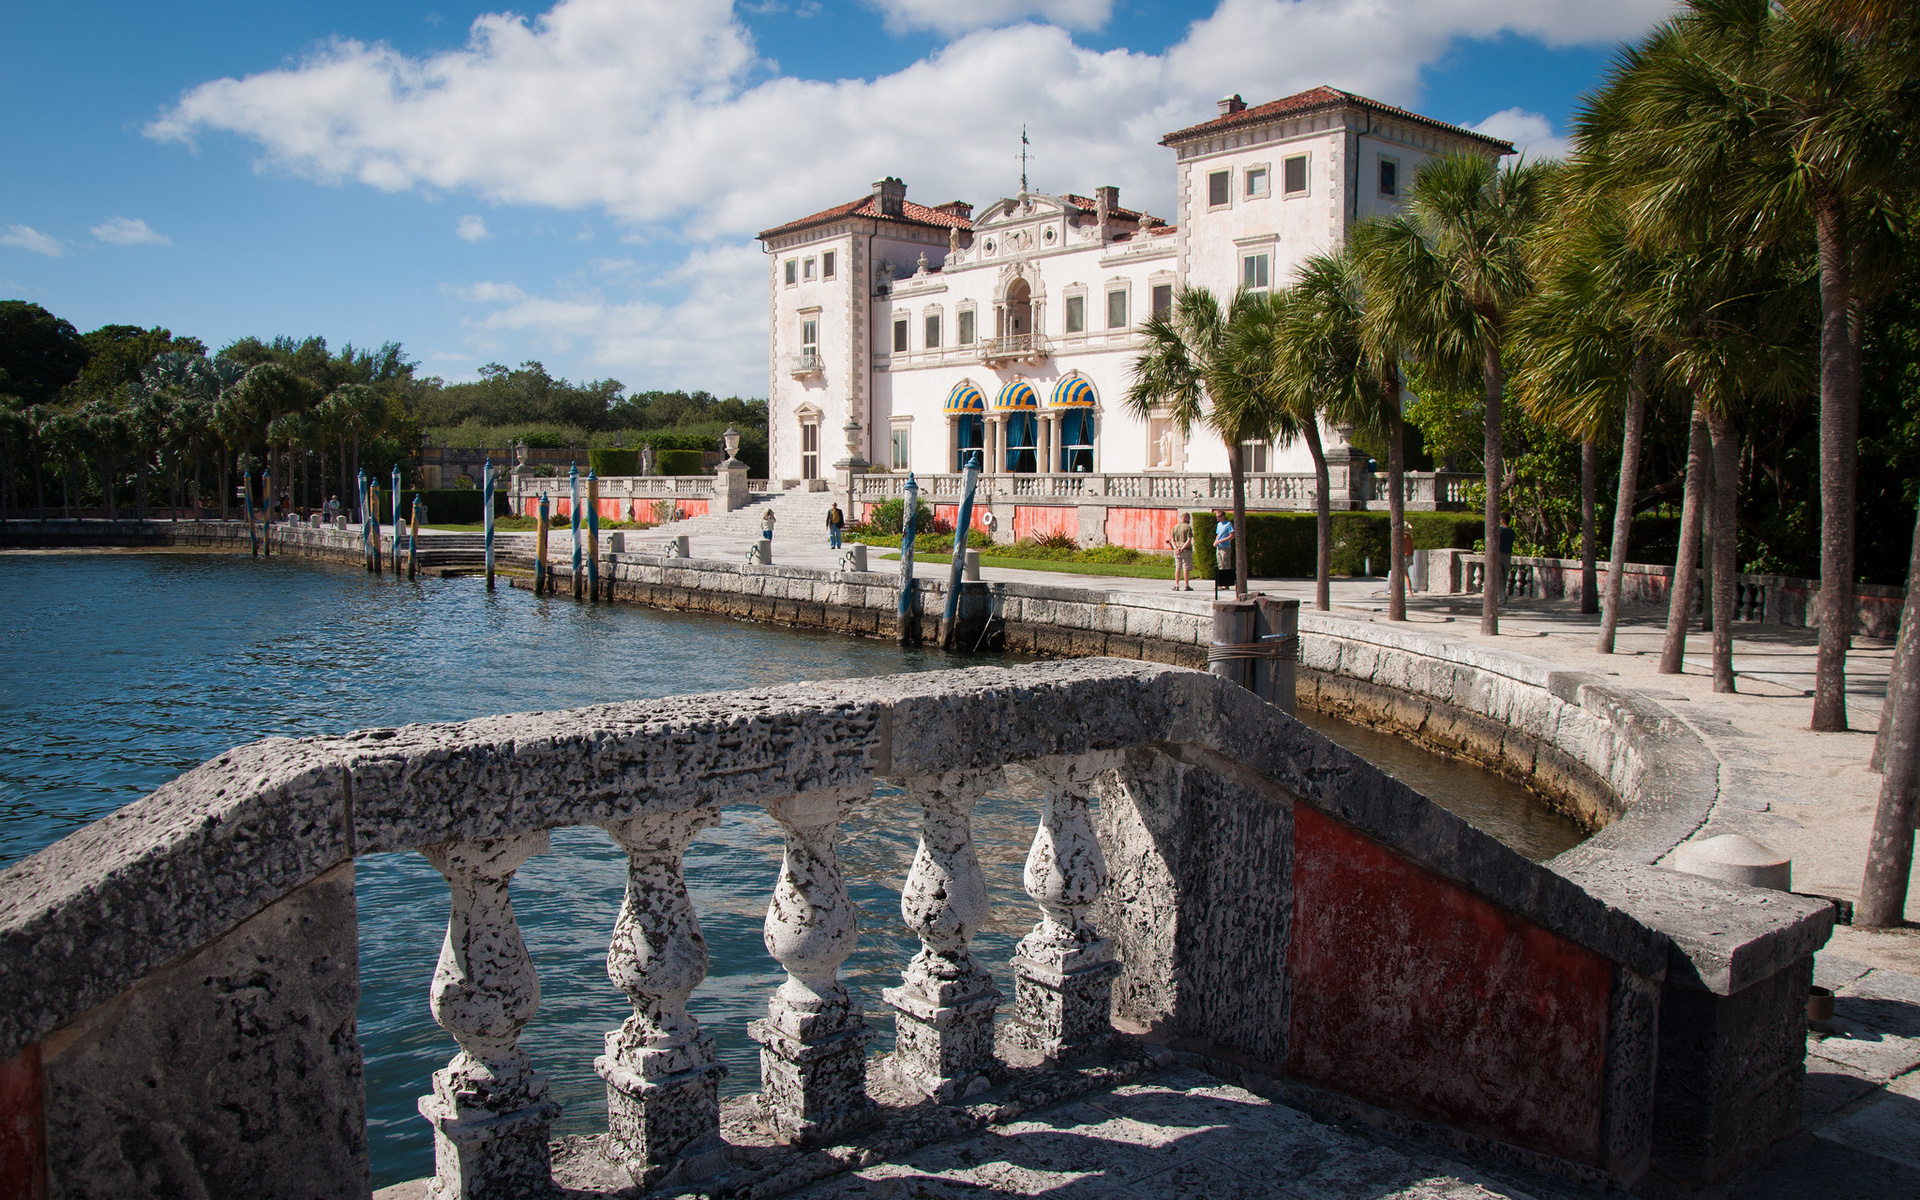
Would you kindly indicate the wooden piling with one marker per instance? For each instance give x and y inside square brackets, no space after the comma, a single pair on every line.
[542,581]
[413,540]
[593,535]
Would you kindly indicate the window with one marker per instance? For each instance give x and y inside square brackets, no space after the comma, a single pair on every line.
[1219,188]
[809,337]
[793,272]
[810,450]
[1076,314]
[902,440]
[806,269]
[1116,310]
[1160,443]
[826,265]
[1389,177]
[1253,457]
[1162,299]
[966,327]
[1256,181]
[1295,176]
[933,331]
[1253,273]
[900,336]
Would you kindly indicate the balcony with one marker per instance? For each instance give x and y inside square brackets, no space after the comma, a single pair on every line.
[1021,347]
[804,366]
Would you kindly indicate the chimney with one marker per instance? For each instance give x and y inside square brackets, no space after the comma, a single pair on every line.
[1107,197]
[893,196]
[956,208]
[1232,104]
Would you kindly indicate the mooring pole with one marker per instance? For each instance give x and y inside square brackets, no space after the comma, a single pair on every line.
[372,510]
[573,475]
[487,474]
[593,534]
[907,629]
[399,521]
[413,539]
[266,518]
[360,510]
[246,494]
[949,623]
[540,580]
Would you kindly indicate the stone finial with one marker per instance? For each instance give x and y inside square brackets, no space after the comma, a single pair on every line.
[1064,970]
[945,1004]
[661,1072]
[489,1108]
[813,1040]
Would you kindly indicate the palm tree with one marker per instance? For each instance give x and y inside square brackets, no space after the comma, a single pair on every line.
[1448,273]
[1765,122]
[1189,371]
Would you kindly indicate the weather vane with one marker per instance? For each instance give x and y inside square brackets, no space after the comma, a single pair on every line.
[1024,143]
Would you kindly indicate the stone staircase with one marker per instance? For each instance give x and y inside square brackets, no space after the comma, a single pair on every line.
[795,513]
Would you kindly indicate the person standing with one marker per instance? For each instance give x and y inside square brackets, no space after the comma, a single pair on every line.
[835,521]
[1223,566]
[1182,542]
[766,527]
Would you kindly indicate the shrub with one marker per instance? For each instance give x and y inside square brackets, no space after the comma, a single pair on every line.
[889,516]
[678,462]
[449,506]
[613,462]
[1057,541]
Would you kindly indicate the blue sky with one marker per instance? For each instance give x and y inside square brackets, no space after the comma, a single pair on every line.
[580,184]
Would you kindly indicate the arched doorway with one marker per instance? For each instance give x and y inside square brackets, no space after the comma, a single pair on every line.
[1016,312]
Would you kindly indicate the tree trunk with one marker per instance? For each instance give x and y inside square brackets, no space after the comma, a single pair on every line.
[1726,487]
[1322,521]
[1883,886]
[1589,576]
[1685,564]
[1236,463]
[1495,576]
[1396,510]
[1839,452]
[226,492]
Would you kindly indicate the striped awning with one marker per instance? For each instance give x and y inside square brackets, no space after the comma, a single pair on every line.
[1018,394]
[1073,392]
[965,398]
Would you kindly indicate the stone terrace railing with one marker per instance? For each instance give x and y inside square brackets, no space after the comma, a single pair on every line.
[1425,490]
[1246,891]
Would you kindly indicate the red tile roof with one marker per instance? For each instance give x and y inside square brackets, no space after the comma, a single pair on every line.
[1116,212]
[1315,100]
[869,207]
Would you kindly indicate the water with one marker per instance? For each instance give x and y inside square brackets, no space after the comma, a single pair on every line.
[125,669]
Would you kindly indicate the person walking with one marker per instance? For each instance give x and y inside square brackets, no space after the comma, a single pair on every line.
[835,521]
[1223,568]
[1182,542]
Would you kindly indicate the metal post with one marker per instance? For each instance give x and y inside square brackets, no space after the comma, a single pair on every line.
[487,474]
[951,619]
[906,629]
[593,534]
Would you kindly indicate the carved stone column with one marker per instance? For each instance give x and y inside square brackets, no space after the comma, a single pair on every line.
[813,1040]
[662,1077]
[489,1108]
[944,1028]
[1064,970]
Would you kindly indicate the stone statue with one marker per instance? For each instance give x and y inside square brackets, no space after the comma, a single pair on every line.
[920,268]
[646,459]
[953,241]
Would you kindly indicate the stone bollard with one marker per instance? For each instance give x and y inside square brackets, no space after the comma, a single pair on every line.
[855,557]
[1734,858]
[1233,626]
[616,543]
[1277,625]
[971,573]
[679,547]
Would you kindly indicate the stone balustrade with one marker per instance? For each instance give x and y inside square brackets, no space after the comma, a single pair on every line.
[1349,487]
[1205,872]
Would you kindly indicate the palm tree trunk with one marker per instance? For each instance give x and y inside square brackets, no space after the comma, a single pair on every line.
[1883,885]
[1495,576]
[1396,510]
[1322,520]
[356,475]
[1839,452]
[1685,565]
[226,492]
[1726,486]
[1236,466]
[1589,577]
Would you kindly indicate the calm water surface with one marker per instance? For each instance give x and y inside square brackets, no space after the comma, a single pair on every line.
[123,670]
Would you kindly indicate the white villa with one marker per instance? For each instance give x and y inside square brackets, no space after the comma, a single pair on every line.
[903,335]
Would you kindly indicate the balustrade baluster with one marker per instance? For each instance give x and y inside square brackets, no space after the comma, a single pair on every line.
[489,1108]
[1064,970]
[813,1040]
[943,1044]
[662,1076]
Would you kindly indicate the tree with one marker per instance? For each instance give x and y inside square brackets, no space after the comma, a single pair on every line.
[1449,272]
[39,353]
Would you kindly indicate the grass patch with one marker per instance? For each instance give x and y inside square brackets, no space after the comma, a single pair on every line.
[1135,570]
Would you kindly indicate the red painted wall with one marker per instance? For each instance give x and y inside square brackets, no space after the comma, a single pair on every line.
[611,509]
[23,1128]
[1142,528]
[1037,521]
[1413,994]
[947,514]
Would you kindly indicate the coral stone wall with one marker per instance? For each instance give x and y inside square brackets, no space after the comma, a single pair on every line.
[1035,521]
[1142,528]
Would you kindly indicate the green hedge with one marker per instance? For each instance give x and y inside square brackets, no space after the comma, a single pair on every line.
[678,462]
[1285,545]
[613,462]
[445,506]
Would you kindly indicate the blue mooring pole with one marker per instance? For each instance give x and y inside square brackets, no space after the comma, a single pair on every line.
[266,517]
[246,492]
[360,510]
[399,521]
[907,630]
[573,475]
[373,524]
[951,620]
[487,474]
[593,536]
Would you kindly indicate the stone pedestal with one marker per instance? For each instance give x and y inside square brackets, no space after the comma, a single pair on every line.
[482,1154]
[1062,999]
[657,1117]
[731,484]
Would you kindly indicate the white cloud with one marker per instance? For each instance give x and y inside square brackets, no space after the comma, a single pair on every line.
[471,229]
[1531,133]
[28,238]
[486,292]
[122,231]
[946,16]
